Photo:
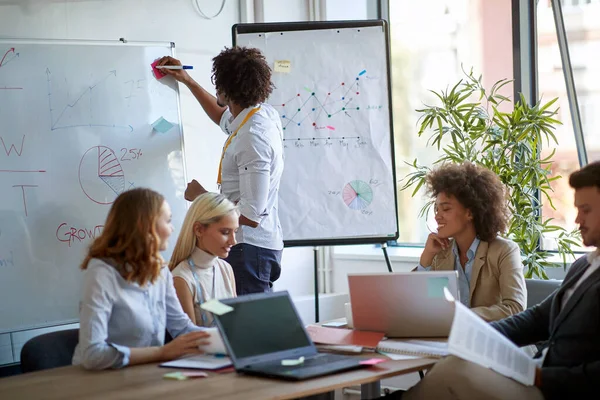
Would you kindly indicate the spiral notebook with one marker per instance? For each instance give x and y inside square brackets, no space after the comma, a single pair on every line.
[414,347]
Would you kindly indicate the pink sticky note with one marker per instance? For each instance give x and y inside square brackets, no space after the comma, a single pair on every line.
[372,361]
[194,374]
[157,73]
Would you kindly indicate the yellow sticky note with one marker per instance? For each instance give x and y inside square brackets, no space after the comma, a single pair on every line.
[176,376]
[284,66]
[294,362]
[216,307]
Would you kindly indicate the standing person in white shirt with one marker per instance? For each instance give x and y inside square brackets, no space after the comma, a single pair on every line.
[251,161]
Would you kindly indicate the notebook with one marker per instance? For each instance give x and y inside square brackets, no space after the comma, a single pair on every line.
[200,361]
[414,347]
[346,337]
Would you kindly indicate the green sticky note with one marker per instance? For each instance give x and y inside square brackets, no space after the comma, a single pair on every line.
[162,125]
[176,376]
[216,307]
[293,362]
[435,287]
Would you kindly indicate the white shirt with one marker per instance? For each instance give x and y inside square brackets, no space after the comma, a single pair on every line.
[116,315]
[208,269]
[594,260]
[251,172]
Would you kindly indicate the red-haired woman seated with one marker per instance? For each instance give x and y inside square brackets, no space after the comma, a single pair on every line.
[128,298]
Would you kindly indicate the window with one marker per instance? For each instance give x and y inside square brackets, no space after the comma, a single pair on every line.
[431,42]
[583,37]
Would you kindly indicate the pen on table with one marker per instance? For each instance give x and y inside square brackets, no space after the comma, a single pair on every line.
[175,66]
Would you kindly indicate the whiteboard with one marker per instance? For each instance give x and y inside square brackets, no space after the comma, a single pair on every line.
[332,91]
[75,131]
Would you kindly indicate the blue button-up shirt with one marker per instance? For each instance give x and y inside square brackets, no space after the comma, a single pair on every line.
[464,275]
[116,315]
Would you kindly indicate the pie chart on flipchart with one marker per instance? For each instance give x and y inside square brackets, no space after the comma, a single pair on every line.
[357,195]
[101,175]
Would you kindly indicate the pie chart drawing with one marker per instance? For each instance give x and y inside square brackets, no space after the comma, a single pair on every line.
[357,195]
[101,176]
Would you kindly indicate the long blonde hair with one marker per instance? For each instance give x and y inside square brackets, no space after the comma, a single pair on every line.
[208,208]
[129,236]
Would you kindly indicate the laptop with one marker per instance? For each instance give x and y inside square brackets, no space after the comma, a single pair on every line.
[403,304]
[264,329]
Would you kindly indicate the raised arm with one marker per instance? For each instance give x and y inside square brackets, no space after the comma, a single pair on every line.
[206,100]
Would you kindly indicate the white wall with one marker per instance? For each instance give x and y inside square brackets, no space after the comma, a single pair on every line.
[285,10]
[197,41]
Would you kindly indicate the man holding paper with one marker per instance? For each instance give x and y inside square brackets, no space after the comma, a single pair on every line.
[567,322]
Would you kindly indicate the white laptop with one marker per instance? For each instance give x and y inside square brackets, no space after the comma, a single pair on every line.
[403,304]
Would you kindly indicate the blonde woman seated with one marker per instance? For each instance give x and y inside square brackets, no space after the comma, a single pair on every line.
[471,210]
[128,298]
[207,234]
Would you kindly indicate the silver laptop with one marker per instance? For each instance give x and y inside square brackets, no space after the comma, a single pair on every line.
[403,304]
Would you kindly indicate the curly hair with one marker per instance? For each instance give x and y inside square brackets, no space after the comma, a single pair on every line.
[479,190]
[242,75]
[129,236]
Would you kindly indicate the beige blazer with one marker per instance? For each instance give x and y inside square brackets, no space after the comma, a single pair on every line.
[497,281]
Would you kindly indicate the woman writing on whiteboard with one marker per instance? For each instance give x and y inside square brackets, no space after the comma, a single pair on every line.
[128,297]
[471,211]
[199,274]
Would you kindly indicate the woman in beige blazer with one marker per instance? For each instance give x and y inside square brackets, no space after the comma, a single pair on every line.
[471,211]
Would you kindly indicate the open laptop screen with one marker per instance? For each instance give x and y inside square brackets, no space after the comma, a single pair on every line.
[263,325]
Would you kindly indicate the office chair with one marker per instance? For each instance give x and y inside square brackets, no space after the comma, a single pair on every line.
[50,350]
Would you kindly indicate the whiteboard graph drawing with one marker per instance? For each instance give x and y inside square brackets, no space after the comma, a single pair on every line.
[9,55]
[319,110]
[357,195]
[101,175]
[76,106]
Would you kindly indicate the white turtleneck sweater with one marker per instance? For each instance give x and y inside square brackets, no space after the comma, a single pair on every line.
[224,281]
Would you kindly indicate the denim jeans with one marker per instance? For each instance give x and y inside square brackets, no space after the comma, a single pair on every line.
[255,268]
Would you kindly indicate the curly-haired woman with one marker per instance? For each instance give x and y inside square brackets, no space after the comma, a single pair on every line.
[471,211]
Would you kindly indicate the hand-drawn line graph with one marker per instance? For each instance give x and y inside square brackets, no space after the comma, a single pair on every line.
[101,176]
[76,105]
[357,195]
[320,110]
[9,55]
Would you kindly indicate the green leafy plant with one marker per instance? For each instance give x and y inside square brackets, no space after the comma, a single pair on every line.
[508,143]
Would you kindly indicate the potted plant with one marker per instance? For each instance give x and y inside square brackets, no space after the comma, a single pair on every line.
[468,125]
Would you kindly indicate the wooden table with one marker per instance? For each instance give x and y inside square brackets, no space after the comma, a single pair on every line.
[146,382]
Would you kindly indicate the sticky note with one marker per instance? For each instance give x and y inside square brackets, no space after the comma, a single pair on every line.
[194,374]
[284,66]
[293,362]
[176,376]
[182,376]
[162,125]
[216,307]
[372,361]
[435,287]
[158,74]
